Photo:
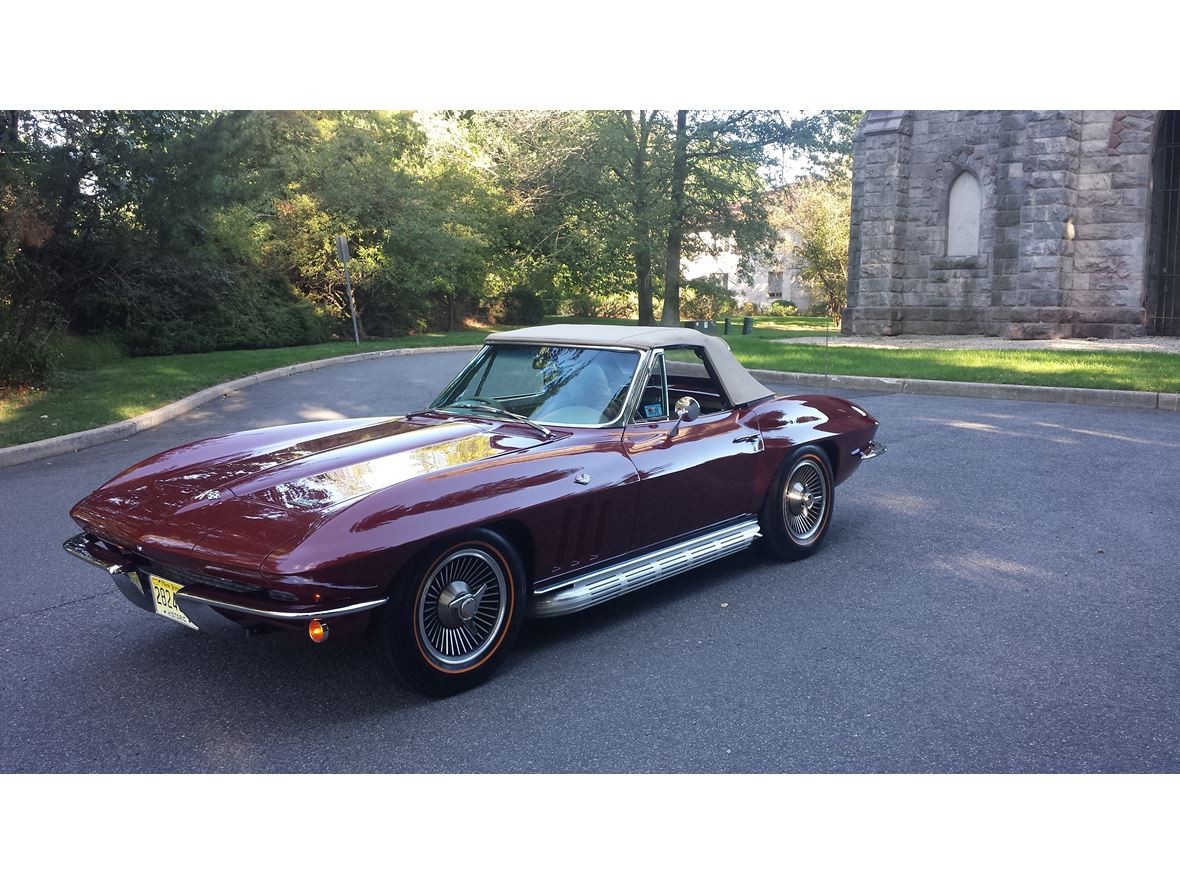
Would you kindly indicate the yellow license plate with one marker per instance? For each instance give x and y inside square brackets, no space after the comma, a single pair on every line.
[164,599]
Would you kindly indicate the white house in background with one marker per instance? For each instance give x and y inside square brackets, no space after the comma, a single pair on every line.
[773,280]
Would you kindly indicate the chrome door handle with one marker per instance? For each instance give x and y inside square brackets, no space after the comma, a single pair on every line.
[755,438]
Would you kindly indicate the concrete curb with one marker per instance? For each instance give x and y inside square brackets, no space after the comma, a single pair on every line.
[84,439]
[1124,399]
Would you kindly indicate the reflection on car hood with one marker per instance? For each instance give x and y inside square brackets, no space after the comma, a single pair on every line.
[414,455]
[282,479]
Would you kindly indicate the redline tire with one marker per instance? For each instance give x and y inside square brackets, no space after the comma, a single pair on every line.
[454,614]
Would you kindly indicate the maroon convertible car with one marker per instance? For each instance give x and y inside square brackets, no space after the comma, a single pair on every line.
[564,466]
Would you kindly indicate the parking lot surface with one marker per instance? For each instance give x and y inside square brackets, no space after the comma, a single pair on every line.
[1000,592]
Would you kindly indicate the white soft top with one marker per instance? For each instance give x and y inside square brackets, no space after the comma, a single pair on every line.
[739,386]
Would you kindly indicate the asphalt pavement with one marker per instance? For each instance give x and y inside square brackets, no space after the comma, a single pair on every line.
[1000,592]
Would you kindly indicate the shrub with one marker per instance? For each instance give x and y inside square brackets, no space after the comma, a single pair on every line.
[619,306]
[28,347]
[701,299]
[29,318]
[781,309]
[388,310]
[523,307]
[163,309]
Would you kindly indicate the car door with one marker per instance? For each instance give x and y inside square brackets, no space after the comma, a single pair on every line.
[700,476]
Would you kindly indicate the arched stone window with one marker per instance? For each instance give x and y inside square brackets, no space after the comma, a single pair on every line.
[962,216]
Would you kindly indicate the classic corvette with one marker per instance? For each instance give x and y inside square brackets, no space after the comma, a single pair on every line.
[564,466]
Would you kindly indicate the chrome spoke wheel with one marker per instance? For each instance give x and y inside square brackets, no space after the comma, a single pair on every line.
[805,501]
[462,606]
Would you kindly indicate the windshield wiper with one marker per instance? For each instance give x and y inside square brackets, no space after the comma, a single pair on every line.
[496,410]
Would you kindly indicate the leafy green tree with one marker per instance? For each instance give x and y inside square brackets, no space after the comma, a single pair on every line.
[824,141]
[819,211]
[643,138]
[614,200]
[190,230]
[419,218]
[26,322]
[566,232]
[718,192]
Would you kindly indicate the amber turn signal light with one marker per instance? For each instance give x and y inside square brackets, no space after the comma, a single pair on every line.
[317,630]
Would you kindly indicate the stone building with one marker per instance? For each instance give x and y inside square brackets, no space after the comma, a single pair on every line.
[1022,224]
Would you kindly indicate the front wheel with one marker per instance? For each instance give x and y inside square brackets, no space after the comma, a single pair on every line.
[454,614]
[798,507]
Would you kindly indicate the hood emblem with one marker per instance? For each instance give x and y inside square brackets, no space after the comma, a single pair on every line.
[582,479]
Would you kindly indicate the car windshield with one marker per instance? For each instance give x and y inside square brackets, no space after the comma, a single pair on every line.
[546,384]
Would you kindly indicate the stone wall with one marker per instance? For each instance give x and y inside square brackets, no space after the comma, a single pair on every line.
[1063,223]
[1108,283]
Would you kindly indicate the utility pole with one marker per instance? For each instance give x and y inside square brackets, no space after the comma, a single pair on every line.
[342,250]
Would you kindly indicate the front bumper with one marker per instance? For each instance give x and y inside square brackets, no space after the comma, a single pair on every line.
[209,608]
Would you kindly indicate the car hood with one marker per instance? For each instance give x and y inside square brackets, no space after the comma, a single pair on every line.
[232,496]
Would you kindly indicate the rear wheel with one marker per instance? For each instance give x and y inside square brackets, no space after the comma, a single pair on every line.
[454,614]
[798,507]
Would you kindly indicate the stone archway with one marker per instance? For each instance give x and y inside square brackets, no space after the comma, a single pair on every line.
[1162,301]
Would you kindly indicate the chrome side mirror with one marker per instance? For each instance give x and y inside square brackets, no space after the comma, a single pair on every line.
[687,409]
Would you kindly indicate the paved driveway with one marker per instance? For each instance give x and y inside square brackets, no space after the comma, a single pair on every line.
[998,593]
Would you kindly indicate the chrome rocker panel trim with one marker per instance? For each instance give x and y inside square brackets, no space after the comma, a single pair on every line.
[79,546]
[613,581]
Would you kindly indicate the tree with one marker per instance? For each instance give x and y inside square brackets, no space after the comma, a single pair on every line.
[644,204]
[26,321]
[418,214]
[192,230]
[605,201]
[824,140]
[566,230]
[819,210]
[718,189]
[677,219]
[594,192]
[127,205]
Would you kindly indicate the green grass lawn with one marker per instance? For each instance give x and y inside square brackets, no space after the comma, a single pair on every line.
[1121,370]
[100,386]
[1111,370]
